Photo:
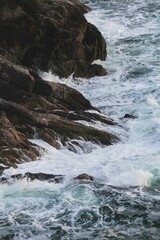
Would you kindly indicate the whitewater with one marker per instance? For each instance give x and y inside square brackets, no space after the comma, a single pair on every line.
[124,200]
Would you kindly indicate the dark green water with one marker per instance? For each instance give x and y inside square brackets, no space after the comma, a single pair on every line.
[79,211]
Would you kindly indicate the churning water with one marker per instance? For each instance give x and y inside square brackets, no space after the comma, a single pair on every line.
[130,209]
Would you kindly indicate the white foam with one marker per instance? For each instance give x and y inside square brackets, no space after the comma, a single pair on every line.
[132,177]
[152,101]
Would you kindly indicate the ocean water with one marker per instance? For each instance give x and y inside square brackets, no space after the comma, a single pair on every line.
[124,200]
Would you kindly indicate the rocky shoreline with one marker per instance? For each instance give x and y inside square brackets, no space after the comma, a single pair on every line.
[46,35]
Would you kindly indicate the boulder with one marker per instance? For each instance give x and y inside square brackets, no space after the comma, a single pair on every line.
[51,35]
[84,176]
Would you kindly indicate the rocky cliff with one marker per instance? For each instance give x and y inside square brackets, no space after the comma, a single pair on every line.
[45,34]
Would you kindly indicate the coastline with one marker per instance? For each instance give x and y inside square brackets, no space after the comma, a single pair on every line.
[30,106]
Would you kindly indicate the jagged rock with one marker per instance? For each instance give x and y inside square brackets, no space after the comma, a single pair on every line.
[14,147]
[47,34]
[61,94]
[64,128]
[41,109]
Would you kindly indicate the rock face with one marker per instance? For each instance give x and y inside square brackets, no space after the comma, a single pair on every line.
[30,106]
[47,34]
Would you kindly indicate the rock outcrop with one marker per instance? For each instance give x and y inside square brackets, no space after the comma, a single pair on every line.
[46,34]
[31,107]
[51,35]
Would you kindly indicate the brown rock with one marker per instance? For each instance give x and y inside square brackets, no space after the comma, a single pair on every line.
[42,177]
[32,177]
[52,35]
[14,80]
[41,110]
[84,176]
[14,147]
[64,128]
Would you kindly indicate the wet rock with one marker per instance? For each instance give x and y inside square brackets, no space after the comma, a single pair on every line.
[42,177]
[84,176]
[48,136]
[10,179]
[14,147]
[95,116]
[64,128]
[129,116]
[40,109]
[96,70]
[46,34]
[61,94]
[33,176]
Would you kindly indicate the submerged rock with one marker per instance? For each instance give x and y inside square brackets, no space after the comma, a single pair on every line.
[47,34]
